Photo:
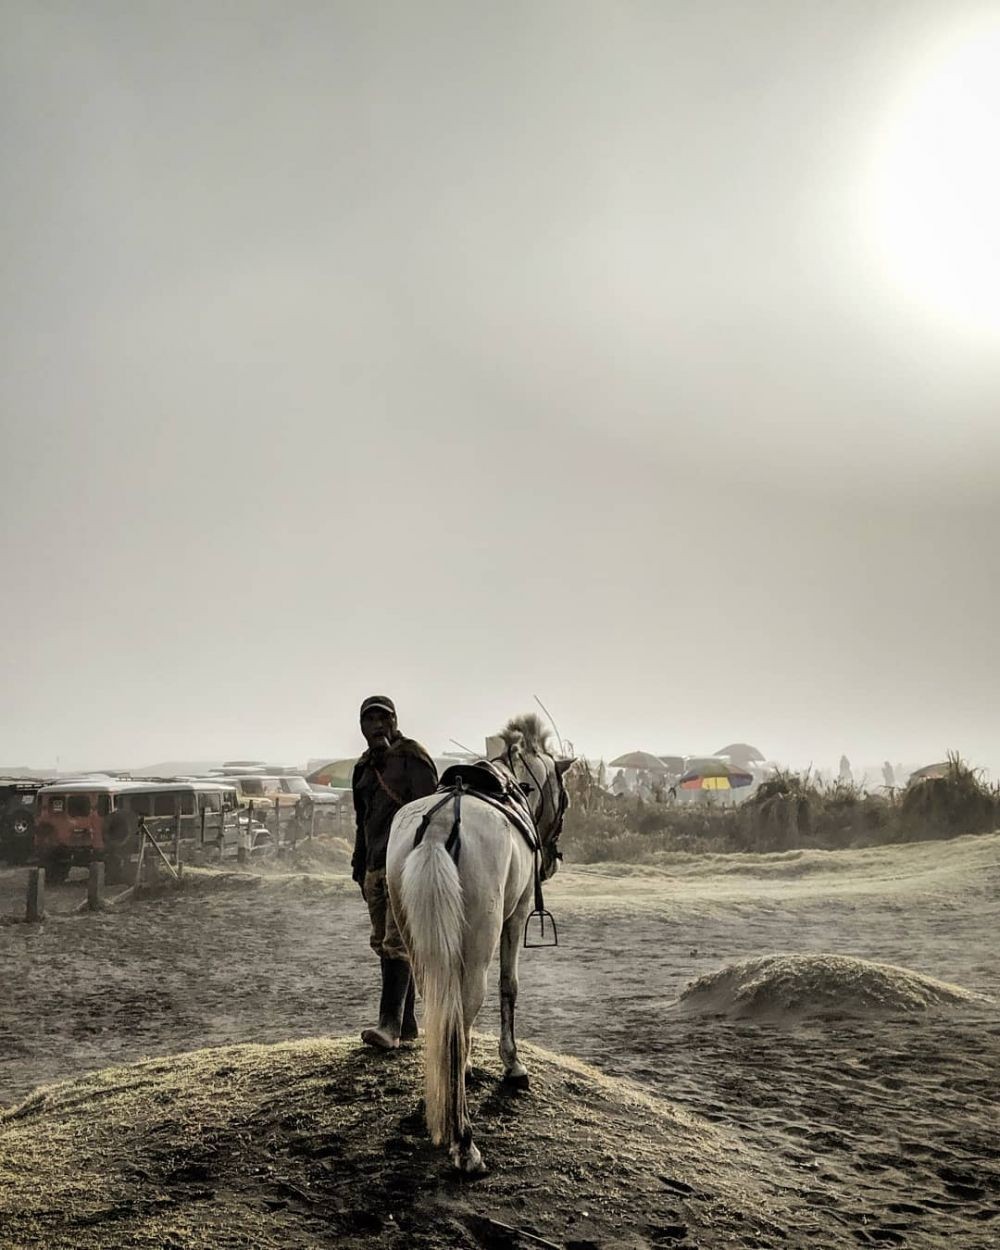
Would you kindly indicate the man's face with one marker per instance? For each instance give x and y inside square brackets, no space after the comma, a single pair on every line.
[378,727]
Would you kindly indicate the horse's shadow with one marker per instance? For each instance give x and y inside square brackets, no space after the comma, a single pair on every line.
[500,1098]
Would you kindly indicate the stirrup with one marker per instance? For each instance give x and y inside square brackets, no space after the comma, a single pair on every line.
[542,915]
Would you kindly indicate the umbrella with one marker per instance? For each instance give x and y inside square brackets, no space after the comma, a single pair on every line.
[742,753]
[333,773]
[639,759]
[715,775]
[931,772]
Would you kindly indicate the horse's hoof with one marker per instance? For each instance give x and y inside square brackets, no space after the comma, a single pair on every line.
[379,1039]
[516,1080]
[468,1160]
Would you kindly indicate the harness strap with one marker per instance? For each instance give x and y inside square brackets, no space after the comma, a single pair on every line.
[454,844]
[422,827]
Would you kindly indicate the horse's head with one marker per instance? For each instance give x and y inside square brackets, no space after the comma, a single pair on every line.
[523,746]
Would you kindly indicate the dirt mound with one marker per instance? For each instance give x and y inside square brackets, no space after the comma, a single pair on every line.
[810,985]
[320,1142]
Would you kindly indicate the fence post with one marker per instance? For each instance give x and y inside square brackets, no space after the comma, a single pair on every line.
[143,834]
[243,839]
[36,896]
[277,826]
[201,834]
[95,886]
[312,823]
[220,837]
[177,834]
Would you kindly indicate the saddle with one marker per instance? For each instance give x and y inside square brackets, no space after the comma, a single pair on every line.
[483,779]
[483,776]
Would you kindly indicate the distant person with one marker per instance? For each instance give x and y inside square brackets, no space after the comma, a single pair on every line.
[845,775]
[888,776]
[392,772]
[619,786]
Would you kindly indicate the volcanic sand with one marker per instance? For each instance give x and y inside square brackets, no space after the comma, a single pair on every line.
[875,1127]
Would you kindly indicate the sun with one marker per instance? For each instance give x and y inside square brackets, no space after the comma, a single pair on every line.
[933,207]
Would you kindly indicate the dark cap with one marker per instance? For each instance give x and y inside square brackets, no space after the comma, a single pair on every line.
[380,701]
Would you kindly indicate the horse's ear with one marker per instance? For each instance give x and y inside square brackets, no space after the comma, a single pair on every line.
[563,766]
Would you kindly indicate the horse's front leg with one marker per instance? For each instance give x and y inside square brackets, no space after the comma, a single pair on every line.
[514,1071]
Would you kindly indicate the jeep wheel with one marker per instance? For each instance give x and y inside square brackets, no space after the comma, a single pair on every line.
[22,826]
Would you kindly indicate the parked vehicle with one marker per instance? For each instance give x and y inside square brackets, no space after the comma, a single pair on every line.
[251,787]
[332,807]
[97,818]
[17,817]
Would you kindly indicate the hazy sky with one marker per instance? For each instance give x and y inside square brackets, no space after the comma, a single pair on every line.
[641,356]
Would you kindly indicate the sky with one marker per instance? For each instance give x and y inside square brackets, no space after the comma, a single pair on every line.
[638,356]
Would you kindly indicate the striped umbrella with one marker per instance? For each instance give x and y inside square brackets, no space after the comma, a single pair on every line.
[715,775]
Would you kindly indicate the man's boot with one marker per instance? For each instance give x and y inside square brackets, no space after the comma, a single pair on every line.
[395,979]
[409,1032]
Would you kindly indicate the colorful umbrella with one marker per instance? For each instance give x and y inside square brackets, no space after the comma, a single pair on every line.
[335,773]
[715,775]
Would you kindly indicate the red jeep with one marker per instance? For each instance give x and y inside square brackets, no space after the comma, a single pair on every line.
[97,818]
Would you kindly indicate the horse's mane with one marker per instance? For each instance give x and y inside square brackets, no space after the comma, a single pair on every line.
[526,731]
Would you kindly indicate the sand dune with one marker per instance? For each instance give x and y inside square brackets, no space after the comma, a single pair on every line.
[317,1142]
[876,1128]
[814,985]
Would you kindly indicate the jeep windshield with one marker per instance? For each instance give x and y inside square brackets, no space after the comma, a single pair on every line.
[295,785]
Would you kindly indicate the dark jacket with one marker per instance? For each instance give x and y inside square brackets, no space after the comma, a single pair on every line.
[407,773]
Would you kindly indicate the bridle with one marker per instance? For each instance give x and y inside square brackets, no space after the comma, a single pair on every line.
[540,786]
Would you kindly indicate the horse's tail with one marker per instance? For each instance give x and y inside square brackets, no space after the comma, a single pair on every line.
[431,896]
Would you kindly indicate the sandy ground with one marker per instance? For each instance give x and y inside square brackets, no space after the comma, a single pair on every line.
[883,1129]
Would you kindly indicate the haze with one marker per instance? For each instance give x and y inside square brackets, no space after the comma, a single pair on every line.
[471,352]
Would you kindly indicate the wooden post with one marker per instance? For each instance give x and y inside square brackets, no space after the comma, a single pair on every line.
[243,839]
[201,834]
[95,886]
[36,896]
[221,836]
[142,854]
[277,825]
[312,823]
[177,833]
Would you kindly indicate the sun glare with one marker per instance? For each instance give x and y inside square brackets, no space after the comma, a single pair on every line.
[935,191]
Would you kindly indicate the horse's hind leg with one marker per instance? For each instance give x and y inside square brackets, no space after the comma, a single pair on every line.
[514,1071]
[464,1151]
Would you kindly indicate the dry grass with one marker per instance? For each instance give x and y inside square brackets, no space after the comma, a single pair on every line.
[786,812]
[814,985]
[317,1142]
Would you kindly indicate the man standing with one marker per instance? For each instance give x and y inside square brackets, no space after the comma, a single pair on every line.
[393,771]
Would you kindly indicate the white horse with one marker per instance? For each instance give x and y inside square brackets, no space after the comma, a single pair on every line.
[454,908]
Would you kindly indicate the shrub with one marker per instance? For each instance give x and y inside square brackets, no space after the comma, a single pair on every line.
[787,811]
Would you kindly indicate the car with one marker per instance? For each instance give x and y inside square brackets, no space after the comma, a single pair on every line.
[17,817]
[88,819]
